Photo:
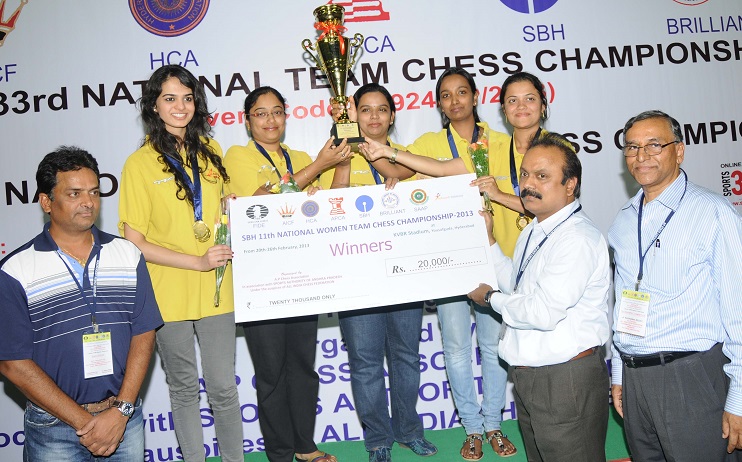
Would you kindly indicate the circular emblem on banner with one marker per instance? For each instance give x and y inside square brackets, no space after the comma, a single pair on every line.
[524,6]
[419,196]
[390,200]
[168,18]
[364,204]
[310,209]
[257,212]
[690,2]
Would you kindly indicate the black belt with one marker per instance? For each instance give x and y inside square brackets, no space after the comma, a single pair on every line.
[654,359]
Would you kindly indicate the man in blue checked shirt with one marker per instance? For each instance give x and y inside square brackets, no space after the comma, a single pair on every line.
[677,320]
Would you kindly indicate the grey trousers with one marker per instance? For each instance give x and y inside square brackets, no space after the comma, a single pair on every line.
[673,412]
[563,409]
[216,341]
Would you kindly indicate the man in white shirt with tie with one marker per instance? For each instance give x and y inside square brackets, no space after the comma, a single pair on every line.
[553,299]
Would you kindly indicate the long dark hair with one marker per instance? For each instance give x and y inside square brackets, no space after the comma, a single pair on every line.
[472,85]
[168,145]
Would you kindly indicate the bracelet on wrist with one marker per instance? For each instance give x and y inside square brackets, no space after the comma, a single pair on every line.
[393,157]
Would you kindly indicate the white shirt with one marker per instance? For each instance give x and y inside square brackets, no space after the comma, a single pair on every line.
[560,307]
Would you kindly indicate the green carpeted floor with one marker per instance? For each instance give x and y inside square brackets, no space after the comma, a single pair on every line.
[449,443]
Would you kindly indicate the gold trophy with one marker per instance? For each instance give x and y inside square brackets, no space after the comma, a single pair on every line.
[335,56]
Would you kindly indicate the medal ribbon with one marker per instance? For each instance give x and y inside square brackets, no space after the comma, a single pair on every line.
[522,267]
[374,172]
[194,186]
[452,144]
[286,157]
[643,255]
[329,28]
[513,171]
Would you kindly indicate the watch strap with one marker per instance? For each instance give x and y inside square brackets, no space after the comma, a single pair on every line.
[126,408]
[488,295]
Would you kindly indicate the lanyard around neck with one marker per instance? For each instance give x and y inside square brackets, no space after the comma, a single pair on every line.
[286,157]
[522,267]
[452,143]
[643,255]
[91,305]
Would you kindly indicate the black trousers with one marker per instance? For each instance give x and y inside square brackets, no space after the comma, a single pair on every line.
[563,409]
[673,412]
[282,353]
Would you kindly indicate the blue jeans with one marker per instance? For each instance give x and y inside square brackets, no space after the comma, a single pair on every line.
[48,438]
[369,334]
[454,315]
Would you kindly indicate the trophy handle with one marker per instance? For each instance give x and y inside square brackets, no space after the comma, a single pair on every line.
[306,44]
[355,43]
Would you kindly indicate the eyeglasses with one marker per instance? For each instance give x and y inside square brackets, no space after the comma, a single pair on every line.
[651,149]
[278,114]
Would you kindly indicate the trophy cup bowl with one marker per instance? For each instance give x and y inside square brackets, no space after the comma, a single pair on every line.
[335,55]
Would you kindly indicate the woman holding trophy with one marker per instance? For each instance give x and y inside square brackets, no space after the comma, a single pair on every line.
[451,152]
[282,350]
[171,187]
[392,330]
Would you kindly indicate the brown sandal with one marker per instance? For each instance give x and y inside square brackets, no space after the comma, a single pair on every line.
[472,448]
[501,444]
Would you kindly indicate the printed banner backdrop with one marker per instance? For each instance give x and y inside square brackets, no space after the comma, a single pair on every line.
[71,72]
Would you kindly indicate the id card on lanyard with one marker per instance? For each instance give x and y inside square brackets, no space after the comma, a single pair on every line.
[97,350]
[633,310]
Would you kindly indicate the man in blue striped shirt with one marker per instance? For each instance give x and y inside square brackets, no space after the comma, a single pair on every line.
[677,369]
[78,319]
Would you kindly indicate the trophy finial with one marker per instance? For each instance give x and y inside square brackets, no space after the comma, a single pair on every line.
[330,13]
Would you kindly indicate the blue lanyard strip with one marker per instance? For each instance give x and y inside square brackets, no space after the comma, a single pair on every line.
[513,171]
[522,267]
[91,306]
[286,157]
[194,186]
[375,173]
[452,144]
[643,255]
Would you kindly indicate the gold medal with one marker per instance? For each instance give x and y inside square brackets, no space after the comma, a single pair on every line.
[522,221]
[201,231]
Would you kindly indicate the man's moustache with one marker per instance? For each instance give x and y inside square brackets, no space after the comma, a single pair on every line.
[530,192]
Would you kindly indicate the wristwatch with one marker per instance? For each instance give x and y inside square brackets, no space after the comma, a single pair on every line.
[125,407]
[488,295]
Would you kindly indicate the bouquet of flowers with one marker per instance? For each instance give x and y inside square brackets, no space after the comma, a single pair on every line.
[286,185]
[222,236]
[479,153]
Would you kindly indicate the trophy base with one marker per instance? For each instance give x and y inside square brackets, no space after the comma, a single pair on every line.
[347,131]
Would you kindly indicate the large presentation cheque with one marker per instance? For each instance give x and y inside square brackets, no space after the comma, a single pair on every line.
[352,248]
